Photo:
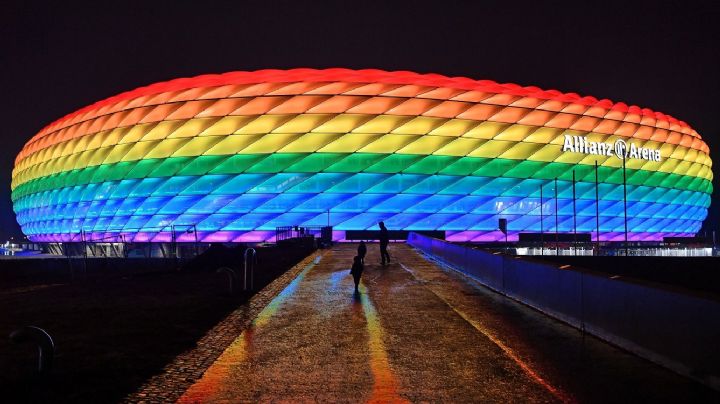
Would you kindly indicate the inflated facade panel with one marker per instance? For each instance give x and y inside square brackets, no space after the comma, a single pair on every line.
[235,155]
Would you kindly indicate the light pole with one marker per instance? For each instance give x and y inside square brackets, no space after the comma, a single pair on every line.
[597,210]
[625,202]
[557,228]
[574,214]
[542,236]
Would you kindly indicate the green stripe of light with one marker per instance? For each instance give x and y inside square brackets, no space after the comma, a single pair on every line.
[356,162]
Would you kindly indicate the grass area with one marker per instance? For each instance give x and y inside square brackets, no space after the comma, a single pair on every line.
[113,330]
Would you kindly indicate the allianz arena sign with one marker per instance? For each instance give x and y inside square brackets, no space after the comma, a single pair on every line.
[620,148]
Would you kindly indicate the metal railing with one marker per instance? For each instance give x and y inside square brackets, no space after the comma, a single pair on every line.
[586,249]
[169,241]
[249,256]
[324,233]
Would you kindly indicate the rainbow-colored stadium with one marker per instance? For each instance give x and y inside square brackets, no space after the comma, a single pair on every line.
[238,154]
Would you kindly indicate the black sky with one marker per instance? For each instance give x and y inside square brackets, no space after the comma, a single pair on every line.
[61,56]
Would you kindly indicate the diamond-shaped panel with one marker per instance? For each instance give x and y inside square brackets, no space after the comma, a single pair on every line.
[237,154]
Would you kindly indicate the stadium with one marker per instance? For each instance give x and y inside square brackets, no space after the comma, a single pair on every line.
[236,155]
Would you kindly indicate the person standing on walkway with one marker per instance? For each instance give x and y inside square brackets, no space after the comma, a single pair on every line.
[384,241]
[362,250]
[356,271]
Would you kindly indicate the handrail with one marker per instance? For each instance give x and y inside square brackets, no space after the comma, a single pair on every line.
[253,259]
[44,342]
[230,277]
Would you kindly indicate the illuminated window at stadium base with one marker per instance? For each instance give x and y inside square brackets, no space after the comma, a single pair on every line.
[236,155]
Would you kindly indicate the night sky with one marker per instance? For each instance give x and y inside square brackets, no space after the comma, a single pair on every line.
[56,58]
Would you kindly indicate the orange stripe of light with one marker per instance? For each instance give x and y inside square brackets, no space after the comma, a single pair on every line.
[385,387]
[220,371]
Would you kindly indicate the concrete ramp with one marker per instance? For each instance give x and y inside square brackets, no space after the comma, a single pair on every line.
[417,332]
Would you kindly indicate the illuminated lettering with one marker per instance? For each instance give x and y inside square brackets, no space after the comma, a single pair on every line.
[593,148]
[633,151]
[620,148]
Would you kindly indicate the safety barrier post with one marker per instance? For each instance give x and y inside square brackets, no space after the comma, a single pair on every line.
[45,344]
[253,259]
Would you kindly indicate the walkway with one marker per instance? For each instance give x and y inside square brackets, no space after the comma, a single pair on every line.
[418,332]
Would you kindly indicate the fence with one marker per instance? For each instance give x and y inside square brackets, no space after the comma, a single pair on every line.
[636,249]
[323,233]
[675,329]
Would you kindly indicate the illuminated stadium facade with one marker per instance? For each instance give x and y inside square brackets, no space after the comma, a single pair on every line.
[236,155]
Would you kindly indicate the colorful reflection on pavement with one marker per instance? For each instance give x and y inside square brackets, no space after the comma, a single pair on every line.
[220,371]
[385,387]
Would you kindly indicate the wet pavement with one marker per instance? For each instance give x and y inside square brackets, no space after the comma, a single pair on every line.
[419,332]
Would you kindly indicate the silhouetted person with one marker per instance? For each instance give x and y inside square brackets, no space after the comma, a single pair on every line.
[362,250]
[384,241]
[356,271]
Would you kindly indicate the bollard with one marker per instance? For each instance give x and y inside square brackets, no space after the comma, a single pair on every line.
[253,258]
[46,346]
[231,277]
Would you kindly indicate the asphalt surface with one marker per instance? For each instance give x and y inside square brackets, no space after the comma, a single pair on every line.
[419,332]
